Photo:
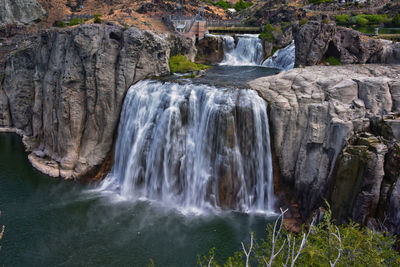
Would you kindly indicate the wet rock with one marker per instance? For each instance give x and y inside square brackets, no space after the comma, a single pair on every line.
[211,50]
[182,45]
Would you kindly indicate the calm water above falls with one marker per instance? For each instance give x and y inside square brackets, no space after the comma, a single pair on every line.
[56,223]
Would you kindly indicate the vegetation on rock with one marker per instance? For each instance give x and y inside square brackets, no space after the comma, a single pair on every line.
[332,61]
[267,33]
[97,18]
[181,64]
[323,244]
[240,5]
[367,19]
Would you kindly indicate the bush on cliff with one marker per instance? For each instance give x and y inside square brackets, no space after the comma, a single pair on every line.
[223,4]
[324,244]
[342,19]
[396,20]
[240,5]
[181,64]
[267,33]
[97,18]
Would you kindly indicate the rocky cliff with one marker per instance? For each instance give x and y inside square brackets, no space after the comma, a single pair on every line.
[316,41]
[65,90]
[335,131]
[20,11]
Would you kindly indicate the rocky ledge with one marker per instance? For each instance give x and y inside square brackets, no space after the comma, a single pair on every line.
[64,91]
[335,134]
[315,41]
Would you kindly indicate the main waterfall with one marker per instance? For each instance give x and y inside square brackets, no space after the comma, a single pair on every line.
[195,147]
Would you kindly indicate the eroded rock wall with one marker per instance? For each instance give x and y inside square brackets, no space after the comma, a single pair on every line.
[316,41]
[20,11]
[65,92]
[314,113]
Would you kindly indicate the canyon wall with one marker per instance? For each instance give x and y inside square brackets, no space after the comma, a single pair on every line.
[20,11]
[65,89]
[335,132]
[315,41]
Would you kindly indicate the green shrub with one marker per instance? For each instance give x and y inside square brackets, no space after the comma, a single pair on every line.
[358,247]
[376,18]
[302,22]
[75,21]
[359,20]
[181,64]
[396,20]
[240,5]
[97,18]
[223,4]
[342,19]
[267,33]
[61,24]
[332,61]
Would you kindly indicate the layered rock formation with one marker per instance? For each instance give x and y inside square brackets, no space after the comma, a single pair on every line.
[316,41]
[20,11]
[317,111]
[65,92]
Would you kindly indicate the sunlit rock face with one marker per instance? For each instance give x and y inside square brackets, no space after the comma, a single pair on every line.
[20,11]
[315,111]
[65,91]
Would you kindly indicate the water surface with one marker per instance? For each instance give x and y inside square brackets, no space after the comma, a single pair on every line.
[50,222]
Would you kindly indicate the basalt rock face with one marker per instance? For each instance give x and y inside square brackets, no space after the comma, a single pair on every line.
[316,41]
[65,92]
[333,135]
[210,50]
[20,11]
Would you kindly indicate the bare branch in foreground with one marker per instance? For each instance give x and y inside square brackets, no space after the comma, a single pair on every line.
[339,249]
[248,253]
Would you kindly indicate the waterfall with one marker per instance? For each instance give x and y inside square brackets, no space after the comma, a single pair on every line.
[246,52]
[195,147]
[282,59]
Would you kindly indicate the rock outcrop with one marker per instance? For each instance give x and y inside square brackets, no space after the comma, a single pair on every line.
[20,11]
[210,50]
[316,41]
[317,111]
[65,92]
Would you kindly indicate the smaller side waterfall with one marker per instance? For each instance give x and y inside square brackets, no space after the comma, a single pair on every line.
[282,59]
[246,52]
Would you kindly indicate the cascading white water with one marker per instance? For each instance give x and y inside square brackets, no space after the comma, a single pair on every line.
[247,52]
[194,146]
[282,59]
